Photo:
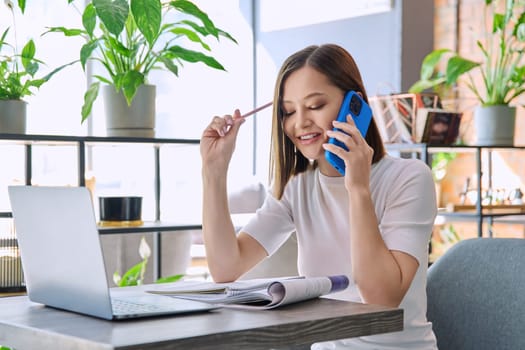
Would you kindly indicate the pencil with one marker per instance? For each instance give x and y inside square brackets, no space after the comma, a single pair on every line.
[260,108]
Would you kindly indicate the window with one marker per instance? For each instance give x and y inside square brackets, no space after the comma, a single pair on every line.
[185,105]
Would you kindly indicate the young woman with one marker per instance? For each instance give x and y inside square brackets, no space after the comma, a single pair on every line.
[372,224]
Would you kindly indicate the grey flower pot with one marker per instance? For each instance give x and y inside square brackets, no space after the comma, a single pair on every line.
[137,120]
[495,125]
[13,116]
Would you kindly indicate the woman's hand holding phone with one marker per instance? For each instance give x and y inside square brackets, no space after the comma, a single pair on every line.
[361,114]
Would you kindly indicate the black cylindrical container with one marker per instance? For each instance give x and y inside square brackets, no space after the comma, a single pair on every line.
[127,208]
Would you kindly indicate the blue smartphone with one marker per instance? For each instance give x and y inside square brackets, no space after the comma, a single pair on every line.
[360,111]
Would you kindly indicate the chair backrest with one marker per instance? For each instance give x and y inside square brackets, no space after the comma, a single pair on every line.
[476,295]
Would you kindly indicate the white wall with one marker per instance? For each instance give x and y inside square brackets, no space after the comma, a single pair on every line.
[387,46]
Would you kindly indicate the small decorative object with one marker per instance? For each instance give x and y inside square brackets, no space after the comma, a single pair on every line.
[516,197]
[502,72]
[120,211]
[463,194]
[130,38]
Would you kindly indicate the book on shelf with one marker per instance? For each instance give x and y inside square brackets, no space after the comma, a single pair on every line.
[395,114]
[262,293]
[437,126]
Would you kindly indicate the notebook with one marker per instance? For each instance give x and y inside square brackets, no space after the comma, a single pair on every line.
[63,262]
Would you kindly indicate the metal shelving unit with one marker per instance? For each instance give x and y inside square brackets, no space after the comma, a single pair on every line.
[481,213]
[82,143]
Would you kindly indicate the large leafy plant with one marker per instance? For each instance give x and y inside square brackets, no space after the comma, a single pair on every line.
[18,70]
[502,68]
[131,38]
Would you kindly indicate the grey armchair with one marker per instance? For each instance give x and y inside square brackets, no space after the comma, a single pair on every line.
[476,295]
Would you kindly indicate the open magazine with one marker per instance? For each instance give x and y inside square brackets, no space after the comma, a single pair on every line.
[267,293]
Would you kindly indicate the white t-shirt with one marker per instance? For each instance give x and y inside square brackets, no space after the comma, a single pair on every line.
[316,207]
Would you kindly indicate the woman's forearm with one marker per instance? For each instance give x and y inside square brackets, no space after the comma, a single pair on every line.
[379,275]
[222,250]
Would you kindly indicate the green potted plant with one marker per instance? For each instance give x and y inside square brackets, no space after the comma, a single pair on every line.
[133,38]
[502,72]
[134,276]
[18,70]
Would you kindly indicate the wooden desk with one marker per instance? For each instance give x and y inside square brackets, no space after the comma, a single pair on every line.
[27,325]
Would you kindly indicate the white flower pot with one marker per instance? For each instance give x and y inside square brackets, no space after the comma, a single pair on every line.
[136,120]
[495,125]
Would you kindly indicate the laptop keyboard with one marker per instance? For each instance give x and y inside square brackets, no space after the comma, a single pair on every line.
[121,306]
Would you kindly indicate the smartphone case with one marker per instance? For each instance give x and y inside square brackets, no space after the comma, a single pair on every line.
[354,105]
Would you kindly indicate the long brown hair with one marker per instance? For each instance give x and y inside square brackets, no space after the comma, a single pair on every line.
[340,68]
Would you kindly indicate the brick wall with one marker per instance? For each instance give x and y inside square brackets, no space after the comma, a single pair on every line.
[458,24]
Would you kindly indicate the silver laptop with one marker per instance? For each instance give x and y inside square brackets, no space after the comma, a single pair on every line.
[63,262]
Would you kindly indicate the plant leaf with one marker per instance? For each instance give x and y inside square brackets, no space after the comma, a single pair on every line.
[89,97]
[498,22]
[169,279]
[120,49]
[518,74]
[22,5]
[132,276]
[28,53]
[147,15]
[430,62]
[131,81]
[113,13]
[89,19]
[56,70]
[191,35]
[34,82]
[227,35]
[2,39]
[86,51]
[28,61]
[457,66]
[172,67]
[422,85]
[190,8]
[194,26]
[65,31]
[102,79]
[519,30]
[194,56]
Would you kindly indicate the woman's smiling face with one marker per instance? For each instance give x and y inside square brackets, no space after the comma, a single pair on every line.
[310,104]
